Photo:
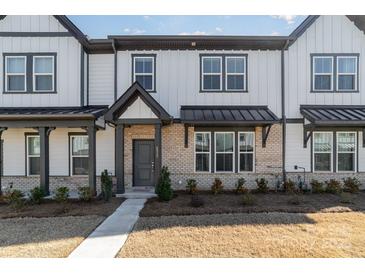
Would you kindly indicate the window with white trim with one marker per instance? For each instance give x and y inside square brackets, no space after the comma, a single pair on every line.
[144,71]
[323,73]
[322,151]
[224,151]
[43,73]
[211,73]
[346,73]
[346,151]
[246,151]
[15,73]
[202,151]
[235,73]
[79,154]
[33,155]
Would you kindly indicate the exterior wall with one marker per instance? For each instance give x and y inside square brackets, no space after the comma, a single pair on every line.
[30,23]
[328,34]
[178,79]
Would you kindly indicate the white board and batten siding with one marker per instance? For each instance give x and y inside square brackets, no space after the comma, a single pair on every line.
[68,60]
[328,34]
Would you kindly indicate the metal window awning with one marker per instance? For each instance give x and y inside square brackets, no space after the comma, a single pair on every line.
[320,116]
[229,116]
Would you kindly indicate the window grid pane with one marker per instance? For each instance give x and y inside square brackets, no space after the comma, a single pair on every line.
[346,151]
[211,73]
[80,146]
[322,151]
[246,151]
[323,73]
[144,72]
[202,152]
[224,147]
[346,73]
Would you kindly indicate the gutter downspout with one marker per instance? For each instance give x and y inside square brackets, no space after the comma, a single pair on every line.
[283,115]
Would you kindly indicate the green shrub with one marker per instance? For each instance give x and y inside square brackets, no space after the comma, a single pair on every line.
[262,185]
[346,198]
[163,188]
[36,195]
[197,201]
[106,186]
[15,198]
[289,186]
[62,194]
[85,193]
[294,200]
[191,186]
[240,188]
[217,186]
[248,199]
[333,186]
[351,184]
[317,187]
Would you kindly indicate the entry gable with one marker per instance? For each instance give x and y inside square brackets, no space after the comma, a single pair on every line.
[138,110]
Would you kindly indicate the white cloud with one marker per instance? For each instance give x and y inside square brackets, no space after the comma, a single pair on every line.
[127,30]
[146,17]
[197,32]
[134,31]
[288,18]
[219,29]
[275,33]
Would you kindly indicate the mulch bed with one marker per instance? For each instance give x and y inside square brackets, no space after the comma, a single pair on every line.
[50,208]
[271,202]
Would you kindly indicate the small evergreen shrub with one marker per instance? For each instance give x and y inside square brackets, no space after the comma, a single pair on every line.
[351,184]
[106,186]
[36,195]
[317,187]
[333,186]
[85,193]
[62,194]
[163,188]
[240,188]
[191,186]
[15,198]
[217,186]
[262,185]
[197,201]
[248,199]
[346,198]
[289,186]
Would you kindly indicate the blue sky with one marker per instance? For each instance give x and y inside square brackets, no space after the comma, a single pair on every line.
[97,26]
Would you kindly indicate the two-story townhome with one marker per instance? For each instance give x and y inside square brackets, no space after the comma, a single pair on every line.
[204,106]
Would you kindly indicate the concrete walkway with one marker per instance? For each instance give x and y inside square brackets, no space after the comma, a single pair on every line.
[109,237]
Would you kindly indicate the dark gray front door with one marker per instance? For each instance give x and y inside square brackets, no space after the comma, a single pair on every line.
[143,162]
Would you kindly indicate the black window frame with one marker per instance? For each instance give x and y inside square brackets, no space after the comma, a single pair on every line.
[29,72]
[223,56]
[153,56]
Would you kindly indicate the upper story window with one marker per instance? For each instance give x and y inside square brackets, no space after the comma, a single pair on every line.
[144,73]
[29,72]
[335,73]
[223,73]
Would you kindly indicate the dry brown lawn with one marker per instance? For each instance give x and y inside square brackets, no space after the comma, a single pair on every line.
[249,235]
[53,237]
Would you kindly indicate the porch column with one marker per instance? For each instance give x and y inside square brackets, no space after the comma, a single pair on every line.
[158,158]
[91,133]
[44,158]
[119,158]
[2,129]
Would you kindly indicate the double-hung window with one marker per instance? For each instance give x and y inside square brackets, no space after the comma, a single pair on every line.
[246,149]
[79,154]
[144,71]
[224,151]
[346,73]
[15,73]
[33,155]
[346,151]
[323,73]
[322,151]
[43,73]
[211,73]
[202,151]
[235,73]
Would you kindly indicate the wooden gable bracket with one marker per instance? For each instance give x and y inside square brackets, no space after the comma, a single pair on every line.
[265,134]
[307,133]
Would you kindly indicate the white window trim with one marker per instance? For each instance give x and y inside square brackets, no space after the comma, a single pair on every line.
[245,152]
[215,151]
[212,73]
[314,152]
[210,151]
[314,72]
[355,152]
[135,74]
[15,74]
[78,156]
[40,74]
[344,73]
[236,73]
[30,156]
